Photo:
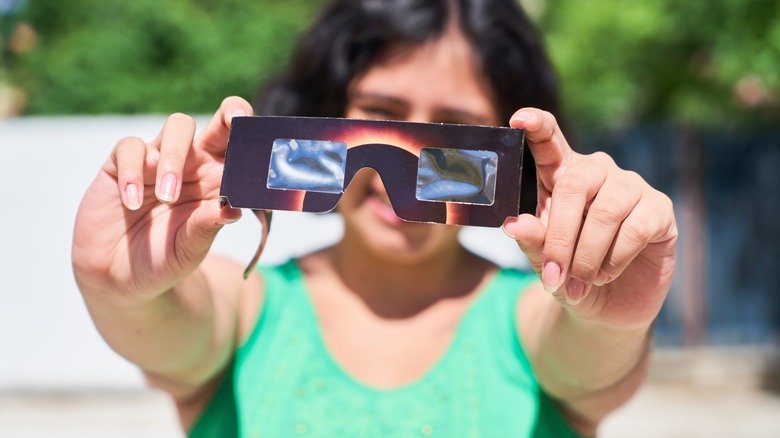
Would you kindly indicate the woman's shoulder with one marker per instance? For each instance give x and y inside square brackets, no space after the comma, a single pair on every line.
[508,279]
[315,263]
[284,274]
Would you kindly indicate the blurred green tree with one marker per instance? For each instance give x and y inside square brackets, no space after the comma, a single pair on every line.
[700,63]
[149,56]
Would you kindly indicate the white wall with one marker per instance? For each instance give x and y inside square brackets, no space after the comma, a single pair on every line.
[47,340]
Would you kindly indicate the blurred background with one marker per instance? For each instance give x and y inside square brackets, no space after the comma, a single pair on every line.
[685,93]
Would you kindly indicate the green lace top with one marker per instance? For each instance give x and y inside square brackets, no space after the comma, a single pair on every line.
[284,383]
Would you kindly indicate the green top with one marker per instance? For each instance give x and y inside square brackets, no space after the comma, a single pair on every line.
[283,381]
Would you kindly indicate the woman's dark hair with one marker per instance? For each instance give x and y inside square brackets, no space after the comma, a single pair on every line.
[352,34]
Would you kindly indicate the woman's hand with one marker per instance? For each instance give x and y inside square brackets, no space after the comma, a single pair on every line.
[603,240]
[152,212]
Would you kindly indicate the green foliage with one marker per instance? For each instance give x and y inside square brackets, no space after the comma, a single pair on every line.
[620,62]
[150,55]
[696,62]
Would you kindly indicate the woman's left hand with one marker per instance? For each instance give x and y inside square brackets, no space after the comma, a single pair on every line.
[603,240]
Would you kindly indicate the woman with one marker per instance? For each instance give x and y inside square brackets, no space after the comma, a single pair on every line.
[396,330]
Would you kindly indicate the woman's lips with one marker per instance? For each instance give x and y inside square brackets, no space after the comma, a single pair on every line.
[383,210]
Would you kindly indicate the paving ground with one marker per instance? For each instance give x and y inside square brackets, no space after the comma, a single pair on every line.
[705,393]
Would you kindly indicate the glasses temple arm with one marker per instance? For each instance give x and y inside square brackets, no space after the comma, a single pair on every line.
[264,216]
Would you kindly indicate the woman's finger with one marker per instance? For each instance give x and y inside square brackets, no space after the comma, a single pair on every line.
[528,231]
[643,226]
[570,196]
[128,157]
[616,199]
[549,147]
[215,136]
[175,143]
[201,228]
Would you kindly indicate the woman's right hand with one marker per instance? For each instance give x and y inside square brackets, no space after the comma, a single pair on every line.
[151,214]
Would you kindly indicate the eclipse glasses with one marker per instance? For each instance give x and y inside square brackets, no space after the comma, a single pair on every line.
[433,173]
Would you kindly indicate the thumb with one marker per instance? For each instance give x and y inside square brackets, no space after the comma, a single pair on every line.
[204,224]
[528,231]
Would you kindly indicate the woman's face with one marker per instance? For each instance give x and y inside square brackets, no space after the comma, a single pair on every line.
[437,82]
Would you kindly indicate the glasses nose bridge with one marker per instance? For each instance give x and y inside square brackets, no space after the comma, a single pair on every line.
[397,170]
[392,164]
[366,172]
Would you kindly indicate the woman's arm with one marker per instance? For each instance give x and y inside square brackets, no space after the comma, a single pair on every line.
[141,237]
[588,368]
[183,337]
[603,243]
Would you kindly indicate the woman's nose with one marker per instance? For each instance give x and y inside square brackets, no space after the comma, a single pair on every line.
[420,115]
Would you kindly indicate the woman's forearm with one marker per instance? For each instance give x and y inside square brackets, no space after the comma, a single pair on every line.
[577,358]
[590,368]
[175,337]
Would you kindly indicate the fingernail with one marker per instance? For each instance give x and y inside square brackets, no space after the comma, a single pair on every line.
[239,112]
[132,197]
[522,116]
[167,188]
[601,279]
[575,291]
[507,234]
[231,220]
[551,277]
